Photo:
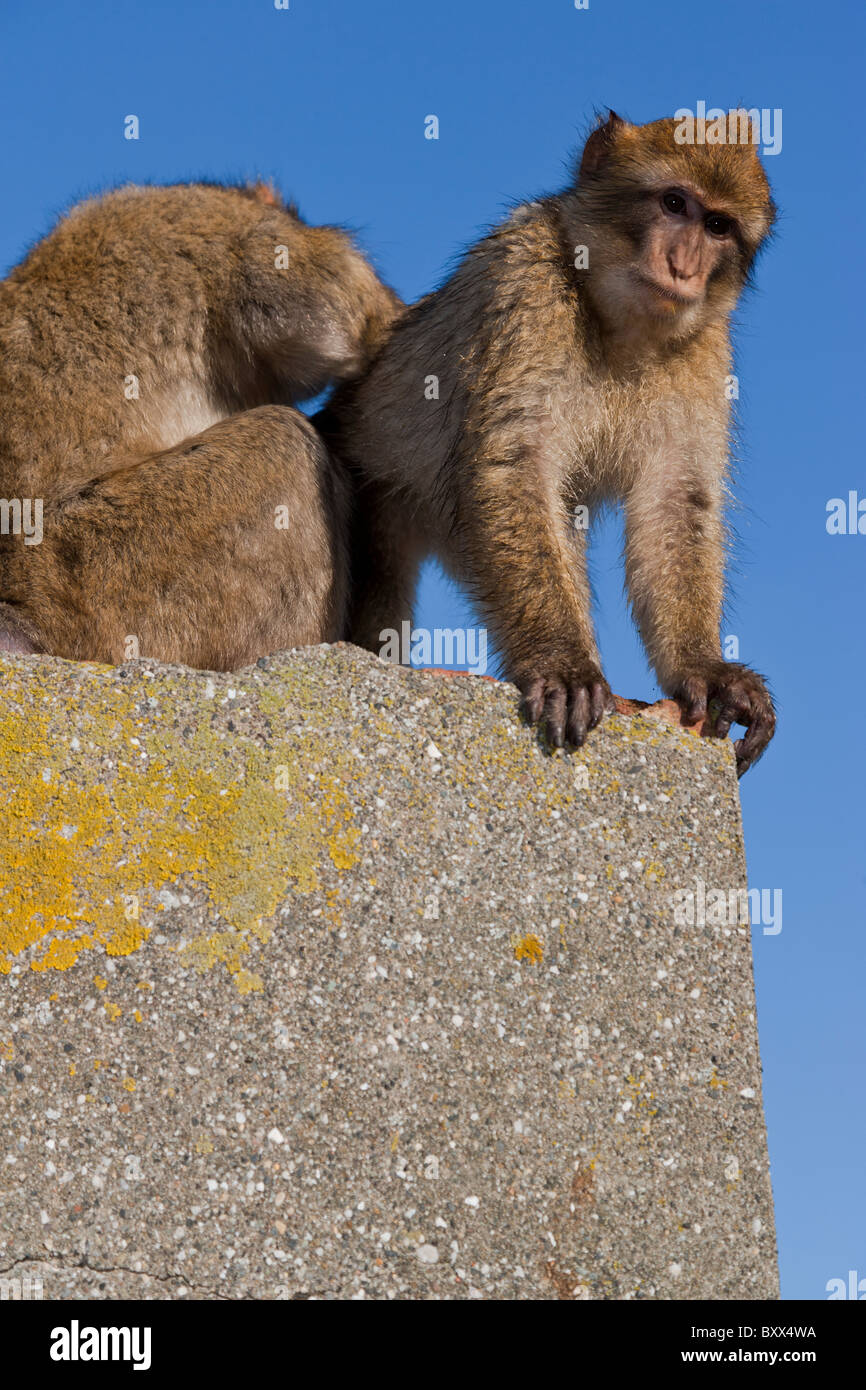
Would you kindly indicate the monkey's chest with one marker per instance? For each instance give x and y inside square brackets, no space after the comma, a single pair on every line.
[598,443]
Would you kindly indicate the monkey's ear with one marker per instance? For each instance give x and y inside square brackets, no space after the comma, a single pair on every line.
[598,147]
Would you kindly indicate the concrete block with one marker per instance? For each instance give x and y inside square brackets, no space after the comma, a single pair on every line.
[326,979]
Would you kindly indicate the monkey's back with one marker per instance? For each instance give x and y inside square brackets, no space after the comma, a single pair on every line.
[110,328]
[132,324]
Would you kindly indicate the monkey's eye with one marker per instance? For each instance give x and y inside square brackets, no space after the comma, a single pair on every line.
[718,225]
[675,203]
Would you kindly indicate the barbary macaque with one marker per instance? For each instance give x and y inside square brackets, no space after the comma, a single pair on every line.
[579,354]
[151,349]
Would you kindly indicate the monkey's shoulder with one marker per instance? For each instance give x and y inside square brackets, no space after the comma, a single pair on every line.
[528,240]
[518,271]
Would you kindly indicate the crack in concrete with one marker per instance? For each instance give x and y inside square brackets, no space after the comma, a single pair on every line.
[63,1262]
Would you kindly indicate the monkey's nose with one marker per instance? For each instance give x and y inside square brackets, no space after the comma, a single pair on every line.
[683,267]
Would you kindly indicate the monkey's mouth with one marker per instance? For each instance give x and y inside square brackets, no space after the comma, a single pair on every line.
[673,298]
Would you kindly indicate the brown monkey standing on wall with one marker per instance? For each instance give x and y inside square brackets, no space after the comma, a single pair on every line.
[150,349]
[579,353]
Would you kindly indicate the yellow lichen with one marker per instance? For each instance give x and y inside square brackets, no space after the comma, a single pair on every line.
[248,983]
[85,857]
[127,940]
[528,948]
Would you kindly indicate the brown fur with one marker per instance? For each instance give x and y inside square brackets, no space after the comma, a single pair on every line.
[561,386]
[160,512]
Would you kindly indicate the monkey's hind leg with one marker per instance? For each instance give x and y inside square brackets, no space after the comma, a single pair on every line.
[386,556]
[210,554]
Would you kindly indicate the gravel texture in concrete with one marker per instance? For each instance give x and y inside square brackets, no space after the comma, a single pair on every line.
[327,979]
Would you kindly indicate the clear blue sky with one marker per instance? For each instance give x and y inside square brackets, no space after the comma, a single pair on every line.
[329,97]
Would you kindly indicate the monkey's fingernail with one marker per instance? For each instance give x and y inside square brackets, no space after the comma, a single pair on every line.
[532,707]
[598,705]
[533,701]
[578,722]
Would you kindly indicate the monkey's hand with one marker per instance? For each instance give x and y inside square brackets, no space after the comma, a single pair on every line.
[570,701]
[730,694]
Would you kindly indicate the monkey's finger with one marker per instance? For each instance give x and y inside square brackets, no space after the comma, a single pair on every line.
[734,708]
[749,749]
[533,700]
[744,759]
[579,713]
[599,703]
[554,715]
[693,694]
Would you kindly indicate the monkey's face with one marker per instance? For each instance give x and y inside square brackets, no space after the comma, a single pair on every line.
[672,229]
[686,256]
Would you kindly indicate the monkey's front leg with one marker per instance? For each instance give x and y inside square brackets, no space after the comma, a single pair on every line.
[514,550]
[675,572]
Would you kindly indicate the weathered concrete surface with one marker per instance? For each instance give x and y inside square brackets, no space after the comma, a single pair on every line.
[326,979]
